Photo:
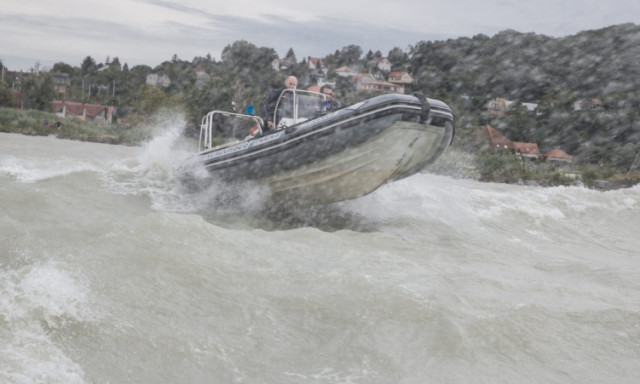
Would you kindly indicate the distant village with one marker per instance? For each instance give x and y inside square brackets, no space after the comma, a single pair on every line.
[395,82]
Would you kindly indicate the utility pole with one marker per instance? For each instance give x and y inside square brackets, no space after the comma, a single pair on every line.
[633,164]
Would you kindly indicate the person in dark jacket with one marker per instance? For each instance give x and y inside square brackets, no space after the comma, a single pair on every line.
[268,105]
[334,104]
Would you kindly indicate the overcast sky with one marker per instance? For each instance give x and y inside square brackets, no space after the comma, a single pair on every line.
[152,31]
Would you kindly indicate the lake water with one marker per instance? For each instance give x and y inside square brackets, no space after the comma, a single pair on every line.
[112,272]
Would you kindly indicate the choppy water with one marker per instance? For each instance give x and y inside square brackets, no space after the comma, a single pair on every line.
[110,272]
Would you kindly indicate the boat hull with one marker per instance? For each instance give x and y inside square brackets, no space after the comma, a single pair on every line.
[359,170]
[339,156]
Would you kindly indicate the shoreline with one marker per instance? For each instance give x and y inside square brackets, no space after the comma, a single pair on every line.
[453,163]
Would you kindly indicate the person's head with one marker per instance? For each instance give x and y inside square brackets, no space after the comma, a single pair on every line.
[326,90]
[291,82]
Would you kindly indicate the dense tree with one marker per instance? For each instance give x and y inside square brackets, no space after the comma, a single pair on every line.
[245,56]
[181,73]
[369,56]
[115,64]
[349,55]
[63,68]
[291,56]
[398,59]
[207,63]
[150,98]
[6,96]
[38,91]
[88,66]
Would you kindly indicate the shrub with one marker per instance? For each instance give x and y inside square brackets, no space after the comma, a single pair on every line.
[501,167]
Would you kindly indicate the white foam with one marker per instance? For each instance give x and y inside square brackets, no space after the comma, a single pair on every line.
[31,170]
[152,172]
[35,301]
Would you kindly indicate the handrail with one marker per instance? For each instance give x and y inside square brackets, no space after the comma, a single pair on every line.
[206,126]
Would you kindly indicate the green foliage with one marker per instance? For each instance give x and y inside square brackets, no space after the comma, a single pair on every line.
[150,99]
[63,68]
[503,168]
[244,56]
[38,91]
[398,59]
[31,122]
[349,55]
[6,96]
[509,168]
[291,56]
[88,66]
[590,173]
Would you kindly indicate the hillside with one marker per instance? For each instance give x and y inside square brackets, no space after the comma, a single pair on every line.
[466,73]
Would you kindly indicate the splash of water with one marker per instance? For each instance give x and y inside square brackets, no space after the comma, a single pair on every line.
[155,172]
[167,146]
[35,302]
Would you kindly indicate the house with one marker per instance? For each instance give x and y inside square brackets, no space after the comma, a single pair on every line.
[316,64]
[380,86]
[158,80]
[498,107]
[202,77]
[367,82]
[381,62]
[361,78]
[60,82]
[558,156]
[531,107]
[282,65]
[83,111]
[345,71]
[587,104]
[498,142]
[401,78]
[529,150]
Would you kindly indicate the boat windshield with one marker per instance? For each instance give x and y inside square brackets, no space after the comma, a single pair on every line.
[228,125]
[295,106]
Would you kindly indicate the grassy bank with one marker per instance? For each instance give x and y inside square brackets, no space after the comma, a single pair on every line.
[513,170]
[31,122]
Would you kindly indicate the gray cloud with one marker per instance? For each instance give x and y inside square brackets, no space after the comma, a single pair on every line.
[55,36]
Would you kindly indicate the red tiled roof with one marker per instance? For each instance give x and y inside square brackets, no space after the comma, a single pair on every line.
[526,148]
[557,154]
[94,110]
[498,140]
[77,109]
[361,76]
[315,60]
